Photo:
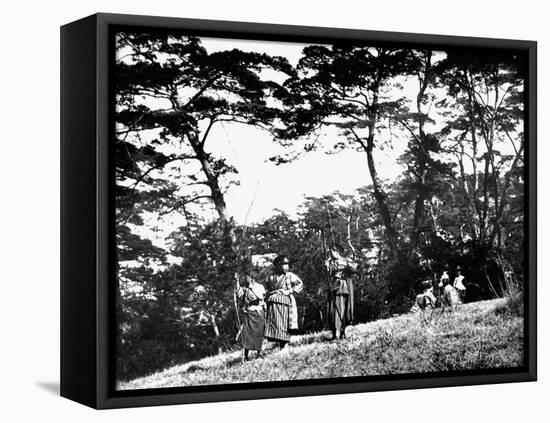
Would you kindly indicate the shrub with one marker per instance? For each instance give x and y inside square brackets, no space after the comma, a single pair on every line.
[513,306]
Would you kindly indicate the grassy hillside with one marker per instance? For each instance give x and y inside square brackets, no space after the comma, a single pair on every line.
[487,334]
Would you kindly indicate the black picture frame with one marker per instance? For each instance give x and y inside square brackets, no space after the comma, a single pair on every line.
[87,242]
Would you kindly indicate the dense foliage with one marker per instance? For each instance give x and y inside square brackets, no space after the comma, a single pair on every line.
[458,201]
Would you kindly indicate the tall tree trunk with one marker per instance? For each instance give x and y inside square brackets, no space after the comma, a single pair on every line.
[212,181]
[466,188]
[418,217]
[211,178]
[348,233]
[380,196]
[472,126]
[421,157]
[378,192]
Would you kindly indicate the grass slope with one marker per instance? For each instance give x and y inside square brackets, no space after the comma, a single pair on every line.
[486,334]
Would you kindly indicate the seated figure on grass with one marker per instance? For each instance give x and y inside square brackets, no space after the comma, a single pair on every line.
[426,301]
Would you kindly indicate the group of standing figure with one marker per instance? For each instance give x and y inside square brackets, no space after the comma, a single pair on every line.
[272,313]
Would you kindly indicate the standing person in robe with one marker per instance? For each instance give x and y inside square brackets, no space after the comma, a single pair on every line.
[282,312]
[252,294]
[340,291]
[458,283]
[444,280]
[451,297]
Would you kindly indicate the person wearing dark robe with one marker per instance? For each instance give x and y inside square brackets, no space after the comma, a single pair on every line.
[443,280]
[425,302]
[340,292]
[251,295]
[282,312]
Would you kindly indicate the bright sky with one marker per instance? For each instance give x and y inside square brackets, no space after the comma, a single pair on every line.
[266,186]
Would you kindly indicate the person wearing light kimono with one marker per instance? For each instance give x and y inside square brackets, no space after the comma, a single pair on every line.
[282,312]
[458,283]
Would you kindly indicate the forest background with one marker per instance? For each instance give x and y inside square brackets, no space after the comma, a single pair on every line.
[430,144]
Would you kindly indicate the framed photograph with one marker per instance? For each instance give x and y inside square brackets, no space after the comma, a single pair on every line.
[256,211]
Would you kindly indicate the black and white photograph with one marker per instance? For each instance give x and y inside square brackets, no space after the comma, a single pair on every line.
[290,211]
[293,211]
